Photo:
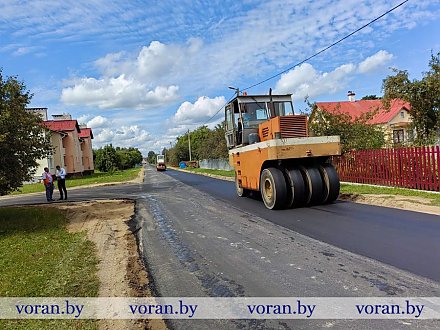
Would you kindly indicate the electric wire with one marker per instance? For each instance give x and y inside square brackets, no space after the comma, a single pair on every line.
[310,57]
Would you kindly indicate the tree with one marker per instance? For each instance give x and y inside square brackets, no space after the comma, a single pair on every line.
[151,157]
[354,133]
[371,97]
[23,140]
[106,159]
[423,95]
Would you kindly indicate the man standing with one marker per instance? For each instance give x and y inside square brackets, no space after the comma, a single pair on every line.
[61,178]
[48,184]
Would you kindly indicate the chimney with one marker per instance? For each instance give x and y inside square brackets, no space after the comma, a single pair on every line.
[351,96]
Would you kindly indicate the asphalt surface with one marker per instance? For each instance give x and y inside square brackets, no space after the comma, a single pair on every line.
[404,239]
[200,244]
[198,239]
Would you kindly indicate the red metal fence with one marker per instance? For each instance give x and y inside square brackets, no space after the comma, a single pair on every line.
[410,167]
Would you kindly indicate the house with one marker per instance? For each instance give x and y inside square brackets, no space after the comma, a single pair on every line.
[85,138]
[69,150]
[395,121]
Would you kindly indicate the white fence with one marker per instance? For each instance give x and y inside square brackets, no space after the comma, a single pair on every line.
[216,164]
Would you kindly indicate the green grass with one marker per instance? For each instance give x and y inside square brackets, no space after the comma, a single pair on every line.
[351,189]
[39,258]
[208,171]
[366,189]
[97,177]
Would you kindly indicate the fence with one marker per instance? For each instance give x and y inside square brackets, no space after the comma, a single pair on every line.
[410,167]
[216,164]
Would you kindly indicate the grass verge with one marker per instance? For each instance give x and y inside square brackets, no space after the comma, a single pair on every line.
[95,178]
[367,189]
[350,188]
[39,258]
[208,171]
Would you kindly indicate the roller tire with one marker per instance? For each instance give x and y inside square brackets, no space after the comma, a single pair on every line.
[298,194]
[273,188]
[331,182]
[241,192]
[314,185]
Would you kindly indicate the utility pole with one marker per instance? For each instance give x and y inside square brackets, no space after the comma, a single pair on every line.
[189,145]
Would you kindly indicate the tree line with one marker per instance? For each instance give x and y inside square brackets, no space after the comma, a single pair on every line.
[110,159]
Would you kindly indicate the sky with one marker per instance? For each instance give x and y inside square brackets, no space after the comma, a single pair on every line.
[141,73]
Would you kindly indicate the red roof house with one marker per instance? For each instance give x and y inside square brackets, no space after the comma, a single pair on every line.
[395,120]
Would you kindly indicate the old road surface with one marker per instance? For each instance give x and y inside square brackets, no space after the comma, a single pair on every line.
[199,239]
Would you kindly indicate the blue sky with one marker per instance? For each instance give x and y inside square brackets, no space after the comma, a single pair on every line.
[142,72]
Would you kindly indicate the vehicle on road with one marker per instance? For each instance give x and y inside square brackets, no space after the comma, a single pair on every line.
[272,152]
[160,163]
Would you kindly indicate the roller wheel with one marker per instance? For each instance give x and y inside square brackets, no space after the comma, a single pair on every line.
[298,194]
[242,192]
[314,185]
[273,188]
[331,182]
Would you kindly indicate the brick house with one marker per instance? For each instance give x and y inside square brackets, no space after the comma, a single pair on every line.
[85,138]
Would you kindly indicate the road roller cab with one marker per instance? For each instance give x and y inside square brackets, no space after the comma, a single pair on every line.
[271,152]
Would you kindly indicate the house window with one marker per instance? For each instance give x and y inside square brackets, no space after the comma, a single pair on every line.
[402,114]
[398,136]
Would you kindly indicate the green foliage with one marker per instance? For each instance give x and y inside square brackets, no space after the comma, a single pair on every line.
[128,158]
[23,140]
[371,97]
[355,133]
[423,95]
[205,144]
[151,158]
[106,159]
[109,159]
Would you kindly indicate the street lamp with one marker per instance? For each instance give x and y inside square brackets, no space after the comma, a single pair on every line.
[236,89]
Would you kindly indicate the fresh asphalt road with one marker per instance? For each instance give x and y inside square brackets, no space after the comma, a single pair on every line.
[404,239]
[198,239]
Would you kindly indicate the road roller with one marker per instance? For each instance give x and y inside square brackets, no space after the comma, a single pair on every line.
[272,153]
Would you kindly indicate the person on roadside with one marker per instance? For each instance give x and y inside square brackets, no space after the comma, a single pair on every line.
[61,179]
[48,184]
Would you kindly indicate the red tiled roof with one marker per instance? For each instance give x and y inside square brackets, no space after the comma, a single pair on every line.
[62,125]
[356,108]
[86,132]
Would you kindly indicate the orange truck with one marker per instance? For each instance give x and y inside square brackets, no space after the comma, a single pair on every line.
[272,152]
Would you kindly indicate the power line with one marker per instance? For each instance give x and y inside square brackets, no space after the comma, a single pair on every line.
[328,47]
[310,57]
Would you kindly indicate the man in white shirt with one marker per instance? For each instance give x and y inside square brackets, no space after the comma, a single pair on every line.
[61,178]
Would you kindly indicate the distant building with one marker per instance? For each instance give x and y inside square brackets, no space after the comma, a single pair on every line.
[72,145]
[395,121]
[70,151]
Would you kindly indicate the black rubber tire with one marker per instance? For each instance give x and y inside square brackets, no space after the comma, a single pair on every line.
[314,185]
[273,188]
[297,195]
[241,192]
[331,182]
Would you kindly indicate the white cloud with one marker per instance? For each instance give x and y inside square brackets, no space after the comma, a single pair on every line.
[375,61]
[199,111]
[83,119]
[305,80]
[120,92]
[97,122]
[123,136]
